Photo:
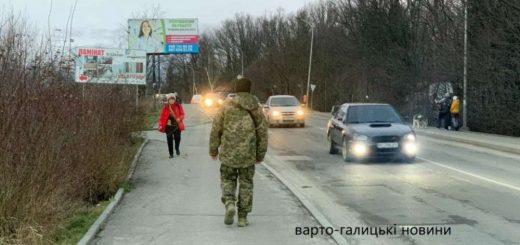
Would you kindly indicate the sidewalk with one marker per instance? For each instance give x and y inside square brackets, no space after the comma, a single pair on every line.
[492,141]
[177,201]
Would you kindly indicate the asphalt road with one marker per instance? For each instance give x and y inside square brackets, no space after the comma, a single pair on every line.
[474,191]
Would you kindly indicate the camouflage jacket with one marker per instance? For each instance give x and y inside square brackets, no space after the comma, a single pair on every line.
[234,136]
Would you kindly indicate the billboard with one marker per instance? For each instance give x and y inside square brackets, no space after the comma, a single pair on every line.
[115,66]
[171,36]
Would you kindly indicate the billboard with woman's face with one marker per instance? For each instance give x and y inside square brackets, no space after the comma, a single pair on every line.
[171,36]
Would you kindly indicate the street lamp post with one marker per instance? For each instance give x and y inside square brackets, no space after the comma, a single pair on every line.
[159,73]
[242,58]
[310,66]
[193,88]
[465,79]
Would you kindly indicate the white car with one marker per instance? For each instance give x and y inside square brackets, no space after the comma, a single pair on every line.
[284,110]
[196,99]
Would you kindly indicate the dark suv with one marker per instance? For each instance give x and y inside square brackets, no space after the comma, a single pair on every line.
[362,131]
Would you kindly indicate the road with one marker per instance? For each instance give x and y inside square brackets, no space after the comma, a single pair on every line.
[473,190]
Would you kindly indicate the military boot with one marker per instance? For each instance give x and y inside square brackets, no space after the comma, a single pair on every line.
[242,220]
[230,213]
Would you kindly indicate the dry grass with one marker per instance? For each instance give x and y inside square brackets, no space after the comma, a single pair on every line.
[59,150]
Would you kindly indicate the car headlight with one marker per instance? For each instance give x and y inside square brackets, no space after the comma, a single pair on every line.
[360,137]
[300,113]
[410,148]
[208,102]
[275,113]
[409,137]
[360,149]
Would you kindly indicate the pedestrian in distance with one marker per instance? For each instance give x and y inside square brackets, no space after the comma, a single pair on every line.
[444,118]
[239,140]
[171,122]
[455,113]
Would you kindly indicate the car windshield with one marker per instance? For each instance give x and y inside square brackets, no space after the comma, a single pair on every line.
[284,101]
[372,114]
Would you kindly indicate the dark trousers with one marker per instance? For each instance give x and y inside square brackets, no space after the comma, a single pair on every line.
[444,120]
[440,119]
[455,121]
[176,135]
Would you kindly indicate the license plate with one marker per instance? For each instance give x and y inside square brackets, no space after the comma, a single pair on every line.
[387,145]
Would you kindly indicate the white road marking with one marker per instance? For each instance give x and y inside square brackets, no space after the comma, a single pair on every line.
[472,174]
[479,149]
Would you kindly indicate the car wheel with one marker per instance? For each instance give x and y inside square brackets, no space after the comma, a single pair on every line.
[345,151]
[333,149]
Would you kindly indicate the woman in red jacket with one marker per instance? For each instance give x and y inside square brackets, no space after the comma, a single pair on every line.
[171,123]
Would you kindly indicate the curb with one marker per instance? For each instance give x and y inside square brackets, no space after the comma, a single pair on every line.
[94,229]
[501,148]
[324,222]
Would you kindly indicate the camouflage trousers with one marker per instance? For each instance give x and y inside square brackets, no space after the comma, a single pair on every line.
[228,184]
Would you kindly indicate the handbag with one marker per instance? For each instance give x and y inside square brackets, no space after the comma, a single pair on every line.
[174,125]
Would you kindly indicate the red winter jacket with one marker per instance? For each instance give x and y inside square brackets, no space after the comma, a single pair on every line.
[178,111]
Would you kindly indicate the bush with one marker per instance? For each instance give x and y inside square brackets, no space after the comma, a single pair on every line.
[63,145]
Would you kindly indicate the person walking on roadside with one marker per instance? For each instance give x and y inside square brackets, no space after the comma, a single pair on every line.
[444,112]
[455,116]
[171,122]
[239,139]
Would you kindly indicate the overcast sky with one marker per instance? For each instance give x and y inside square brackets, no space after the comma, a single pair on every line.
[96,21]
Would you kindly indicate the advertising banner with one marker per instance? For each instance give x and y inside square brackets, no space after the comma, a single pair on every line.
[171,36]
[114,66]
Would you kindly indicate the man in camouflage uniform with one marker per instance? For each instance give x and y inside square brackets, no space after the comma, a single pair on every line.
[239,138]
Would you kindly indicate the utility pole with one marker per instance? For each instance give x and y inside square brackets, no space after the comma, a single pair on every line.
[465,79]
[193,80]
[242,57]
[207,73]
[209,80]
[310,65]
[136,97]
[159,73]
[154,82]
[194,87]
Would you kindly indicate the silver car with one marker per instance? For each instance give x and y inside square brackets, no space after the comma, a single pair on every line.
[284,110]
